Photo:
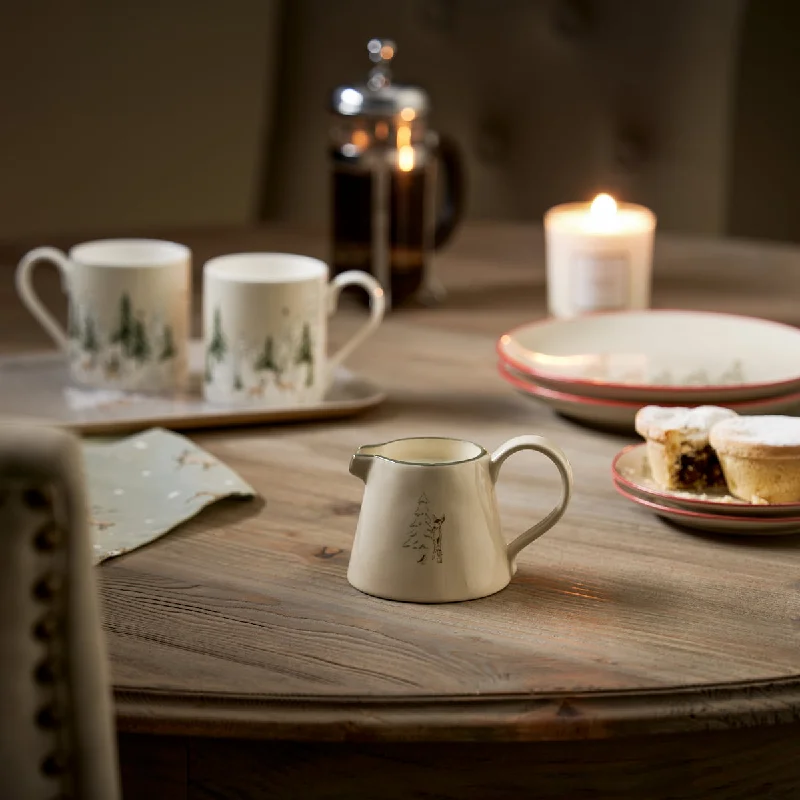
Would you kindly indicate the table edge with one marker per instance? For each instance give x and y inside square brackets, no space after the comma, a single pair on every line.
[553,716]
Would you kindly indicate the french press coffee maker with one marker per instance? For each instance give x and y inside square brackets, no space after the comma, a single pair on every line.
[398,187]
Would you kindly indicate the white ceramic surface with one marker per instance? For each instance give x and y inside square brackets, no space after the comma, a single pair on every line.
[646,356]
[429,528]
[599,256]
[631,469]
[37,386]
[621,414]
[716,523]
[129,306]
[265,326]
[145,485]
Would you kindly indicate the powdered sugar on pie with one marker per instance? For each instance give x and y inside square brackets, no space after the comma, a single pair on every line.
[654,422]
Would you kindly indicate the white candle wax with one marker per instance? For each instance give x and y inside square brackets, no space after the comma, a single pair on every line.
[599,256]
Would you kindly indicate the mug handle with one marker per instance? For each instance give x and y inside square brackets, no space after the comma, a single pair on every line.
[377,308]
[26,292]
[541,445]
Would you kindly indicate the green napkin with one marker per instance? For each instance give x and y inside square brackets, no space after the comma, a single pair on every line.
[142,486]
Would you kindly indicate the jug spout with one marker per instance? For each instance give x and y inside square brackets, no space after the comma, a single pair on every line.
[360,465]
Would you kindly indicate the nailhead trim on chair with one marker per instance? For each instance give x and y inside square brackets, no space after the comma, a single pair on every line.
[37,498]
[48,718]
[48,540]
[54,765]
[47,587]
[46,672]
[46,628]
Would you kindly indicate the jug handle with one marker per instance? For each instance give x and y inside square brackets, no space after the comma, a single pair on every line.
[540,445]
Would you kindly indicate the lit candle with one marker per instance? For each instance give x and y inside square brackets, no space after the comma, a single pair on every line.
[599,256]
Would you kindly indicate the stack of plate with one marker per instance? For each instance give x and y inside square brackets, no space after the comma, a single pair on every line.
[713,511]
[602,368]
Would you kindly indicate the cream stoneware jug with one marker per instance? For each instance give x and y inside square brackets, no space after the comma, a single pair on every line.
[429,528]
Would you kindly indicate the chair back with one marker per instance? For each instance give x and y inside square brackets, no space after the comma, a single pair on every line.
[57,736]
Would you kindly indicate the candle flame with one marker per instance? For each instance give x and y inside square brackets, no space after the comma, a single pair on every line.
[405,158]
[603,208]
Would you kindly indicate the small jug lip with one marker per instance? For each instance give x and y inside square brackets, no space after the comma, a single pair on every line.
[481,451]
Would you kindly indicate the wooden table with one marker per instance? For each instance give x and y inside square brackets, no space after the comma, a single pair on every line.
[628,658]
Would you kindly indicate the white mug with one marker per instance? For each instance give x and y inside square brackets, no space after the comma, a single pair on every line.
[129,305]
[265,325]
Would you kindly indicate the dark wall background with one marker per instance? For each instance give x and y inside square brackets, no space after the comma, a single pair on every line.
[122,116]
[765,156]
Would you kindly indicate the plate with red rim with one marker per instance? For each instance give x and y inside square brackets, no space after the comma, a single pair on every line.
[630,469]
[651,355]
[622,413]
[716,523]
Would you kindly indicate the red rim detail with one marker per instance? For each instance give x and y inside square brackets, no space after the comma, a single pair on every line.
[619,478]
[666,389]
[680,512]
[542,391]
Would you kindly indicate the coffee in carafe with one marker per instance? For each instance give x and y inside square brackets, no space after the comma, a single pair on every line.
[397,186]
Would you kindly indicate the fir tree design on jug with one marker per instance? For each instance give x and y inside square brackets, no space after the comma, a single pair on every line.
[425,533]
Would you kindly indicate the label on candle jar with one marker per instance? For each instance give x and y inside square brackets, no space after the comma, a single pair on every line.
[601,281]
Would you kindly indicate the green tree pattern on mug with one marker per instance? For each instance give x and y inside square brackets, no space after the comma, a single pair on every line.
[305,354]
[266,359]
[167,345]
[130,343]
[217,347]
[124,334]
[90,343]
[140,345]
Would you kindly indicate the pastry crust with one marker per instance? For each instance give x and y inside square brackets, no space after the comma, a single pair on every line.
[760,457]
[758,437]
[678,448]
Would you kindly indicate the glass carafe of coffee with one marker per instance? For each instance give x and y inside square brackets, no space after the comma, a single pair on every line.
[398,187]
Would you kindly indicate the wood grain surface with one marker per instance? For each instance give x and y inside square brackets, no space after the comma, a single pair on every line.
[242,624]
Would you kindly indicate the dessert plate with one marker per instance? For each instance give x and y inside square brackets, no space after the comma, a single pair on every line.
[630,469]
[622,413]
[648,356]
[717,523]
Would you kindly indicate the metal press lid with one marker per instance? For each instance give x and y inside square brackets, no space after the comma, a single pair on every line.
[379,97]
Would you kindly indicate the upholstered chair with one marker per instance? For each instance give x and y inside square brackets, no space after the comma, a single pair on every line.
[56,729]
